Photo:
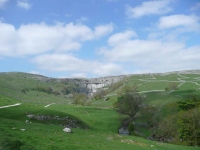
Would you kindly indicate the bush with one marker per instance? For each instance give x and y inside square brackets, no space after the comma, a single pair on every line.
[188,127]
[49,90]
[40,88]
[56,92]
[79,98]
[24,91]
[107,98]
[9,144]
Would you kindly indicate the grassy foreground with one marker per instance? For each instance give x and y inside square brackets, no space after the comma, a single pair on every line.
[99,119]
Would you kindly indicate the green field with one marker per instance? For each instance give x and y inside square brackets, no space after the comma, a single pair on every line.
[98,121]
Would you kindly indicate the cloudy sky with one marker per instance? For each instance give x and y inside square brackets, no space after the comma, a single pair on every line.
[93,38]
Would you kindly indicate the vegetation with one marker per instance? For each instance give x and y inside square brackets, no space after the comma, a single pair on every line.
[129,104]
[172,86]
[156,114]
[79,98]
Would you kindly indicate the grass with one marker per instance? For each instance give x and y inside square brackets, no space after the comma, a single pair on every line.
[101,119]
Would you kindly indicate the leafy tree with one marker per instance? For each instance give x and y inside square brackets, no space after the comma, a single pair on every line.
[172,86]
[40,88]
[24,90]
[188,124]
[100,94]
[151,115]
[166,130]
[79,98]
[129,104]
[183,128]
[189,104]
[49,90]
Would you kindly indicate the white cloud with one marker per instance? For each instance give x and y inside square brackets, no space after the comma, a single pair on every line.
[153,55]
[131,50]
[177,21]
[149,8]
[36,72]
[60,62]
[7,39]
[108,69]
[119,37]
[67,62]
[103,29]
[23,4]
[3,3]
[34,39]
[77,75]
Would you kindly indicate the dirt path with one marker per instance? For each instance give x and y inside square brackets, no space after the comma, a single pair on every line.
[10,105]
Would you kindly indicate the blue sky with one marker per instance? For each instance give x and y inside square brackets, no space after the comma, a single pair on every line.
[95,38]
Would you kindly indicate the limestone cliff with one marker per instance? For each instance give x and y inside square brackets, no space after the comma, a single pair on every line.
[94,84]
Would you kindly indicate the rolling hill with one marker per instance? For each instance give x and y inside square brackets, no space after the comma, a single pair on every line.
[45,107]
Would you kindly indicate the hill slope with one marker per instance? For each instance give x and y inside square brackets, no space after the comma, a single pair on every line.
[95,125]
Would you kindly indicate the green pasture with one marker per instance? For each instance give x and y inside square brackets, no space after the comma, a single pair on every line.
[168,77]
[101,134]
[98,117]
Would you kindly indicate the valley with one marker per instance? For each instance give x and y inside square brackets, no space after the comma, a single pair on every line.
[95,122]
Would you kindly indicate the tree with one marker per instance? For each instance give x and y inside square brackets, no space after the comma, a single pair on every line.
[188,124]
[172,86]
[129,104]
[100,94]
[49,90]
[79,98]
[24,91]
[151,115]
[166,130]
[189,104]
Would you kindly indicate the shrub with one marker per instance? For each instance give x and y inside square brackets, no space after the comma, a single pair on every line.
[9,144]
[24,91]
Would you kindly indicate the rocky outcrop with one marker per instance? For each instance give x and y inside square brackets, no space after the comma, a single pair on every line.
[96,83]
[67,122]
[124,131]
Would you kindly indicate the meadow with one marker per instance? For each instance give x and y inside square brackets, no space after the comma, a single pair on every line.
[98,121]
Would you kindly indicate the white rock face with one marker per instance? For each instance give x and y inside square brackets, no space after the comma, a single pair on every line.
[68,130]
[96,83]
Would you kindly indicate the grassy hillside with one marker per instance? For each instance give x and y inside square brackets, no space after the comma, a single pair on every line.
[97,122]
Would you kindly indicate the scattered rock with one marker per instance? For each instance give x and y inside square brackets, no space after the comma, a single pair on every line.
[68,123]
[124,131]
[68,130]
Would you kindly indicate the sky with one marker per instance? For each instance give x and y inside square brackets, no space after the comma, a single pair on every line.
[96,38]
